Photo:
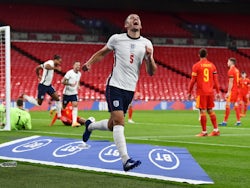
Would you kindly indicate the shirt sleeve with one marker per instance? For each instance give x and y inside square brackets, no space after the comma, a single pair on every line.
[194,71]
[50,62]
[67,75]
[231,73]
[150,45]
[111,42]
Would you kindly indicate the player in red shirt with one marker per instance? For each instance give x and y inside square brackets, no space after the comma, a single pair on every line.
[130,108]
[232,92]
[66,116]
[204,74]
[244,84]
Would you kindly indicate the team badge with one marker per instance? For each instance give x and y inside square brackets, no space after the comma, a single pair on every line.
[116,103]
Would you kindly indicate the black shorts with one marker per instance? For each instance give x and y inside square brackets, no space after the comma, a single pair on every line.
[69,98]
[118,99]
[43,89]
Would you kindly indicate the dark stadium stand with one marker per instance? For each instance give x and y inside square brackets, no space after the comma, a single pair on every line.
[33,18]
[231,24]
[244,52]
[174,62]
[153,24]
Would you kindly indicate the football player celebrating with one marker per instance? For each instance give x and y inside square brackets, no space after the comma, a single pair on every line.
[130,50]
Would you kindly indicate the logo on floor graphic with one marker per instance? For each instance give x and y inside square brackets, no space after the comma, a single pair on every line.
[158,162]
[164,159]
[69,149]
[32,145]
[109,154]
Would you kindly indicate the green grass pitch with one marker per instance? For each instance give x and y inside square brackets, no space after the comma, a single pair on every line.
[226,159]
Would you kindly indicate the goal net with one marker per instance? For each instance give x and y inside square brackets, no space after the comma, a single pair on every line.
[5,100]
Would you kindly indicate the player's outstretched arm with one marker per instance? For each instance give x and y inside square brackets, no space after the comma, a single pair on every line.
[96,57]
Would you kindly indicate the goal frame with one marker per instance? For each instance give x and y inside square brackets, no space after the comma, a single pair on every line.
[7,98]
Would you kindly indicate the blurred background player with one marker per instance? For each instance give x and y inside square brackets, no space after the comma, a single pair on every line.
[204,74]
[20,119]
[130,108]
[130,49]
[130,113]
[244,85]
[232,92]
[44,85]
[71,81]
[66,116]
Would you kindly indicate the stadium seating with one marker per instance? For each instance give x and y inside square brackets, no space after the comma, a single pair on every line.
[229,23]
[245,51]
[170,82]
[59,19]
[69,53]
[153,24]
[174,62]
[181,59]
[22,81]
[32,18]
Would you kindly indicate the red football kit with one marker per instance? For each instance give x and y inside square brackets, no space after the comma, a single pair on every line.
[233,72]
[66,115]
[204,74]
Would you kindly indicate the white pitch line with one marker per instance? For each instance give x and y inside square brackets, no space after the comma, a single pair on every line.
[186,136]
[175,125]
[155,138]
[197,143]
[195,126]
[45,132]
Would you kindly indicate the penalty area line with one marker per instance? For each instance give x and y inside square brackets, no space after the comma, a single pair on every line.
[151,138]
[194,143]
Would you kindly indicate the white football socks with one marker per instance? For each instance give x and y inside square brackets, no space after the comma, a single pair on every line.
[99,125]
[120,142]
[58,108]
[74,114]
[30,99]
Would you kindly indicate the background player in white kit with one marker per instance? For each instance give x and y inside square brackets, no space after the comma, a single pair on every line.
[45,86]
[130,49]
[71,80]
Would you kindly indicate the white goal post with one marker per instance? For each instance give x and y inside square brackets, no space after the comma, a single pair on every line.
[5,84]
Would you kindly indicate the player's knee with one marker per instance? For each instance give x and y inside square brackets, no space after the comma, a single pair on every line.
[209,111]
[119,121]
[39,102]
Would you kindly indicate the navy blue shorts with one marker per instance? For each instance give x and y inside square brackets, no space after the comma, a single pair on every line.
[43,89]
[118,99]
[69,98]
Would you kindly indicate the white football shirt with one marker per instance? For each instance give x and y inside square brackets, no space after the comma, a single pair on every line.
[73,78]
[128,56]
[47,75]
